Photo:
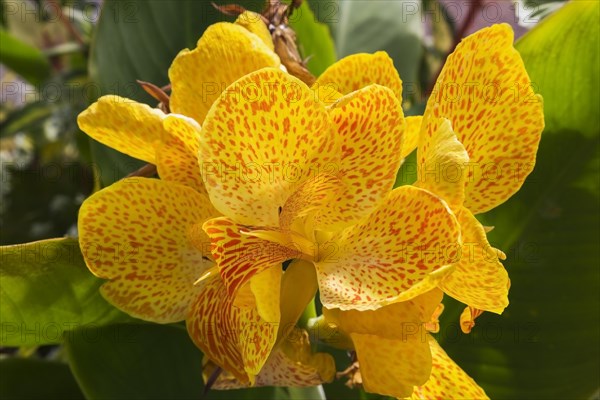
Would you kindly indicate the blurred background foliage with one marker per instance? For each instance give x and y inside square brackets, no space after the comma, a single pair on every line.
[58,56]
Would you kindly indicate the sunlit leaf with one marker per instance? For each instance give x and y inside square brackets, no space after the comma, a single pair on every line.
[46,290]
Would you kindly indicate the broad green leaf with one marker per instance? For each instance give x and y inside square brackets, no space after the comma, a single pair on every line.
[31,379]
[24,59]
[391,25]
[563,61]
[45,291]
[150,362]
[314,39]
[545,345]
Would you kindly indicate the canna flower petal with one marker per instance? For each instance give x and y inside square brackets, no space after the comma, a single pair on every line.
[370,125]
[298,288]
[391,352]
[441,159]
[357,71]
[253,23]
[241,256]
[237,339]
[199,76]
[485,91]
[292,364]
[411,135]
[410,235]
[479,279]
[448,380]
[125,125]
[177,156]
[252,165]
[126,236]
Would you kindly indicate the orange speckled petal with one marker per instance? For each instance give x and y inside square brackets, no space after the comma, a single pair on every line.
[479,278]
[138,234]
[467,319]
[292,364]
[125,125]
[240,256]
[236,339]
[224,53]
[326,93]
[392,367]
[441,162]
[298,212]
[260,141]
[410,235]
[359,70]
[411,135]
[213,325]
[485,92]
[370,125]
[448,380]
[253,22]
[177,156]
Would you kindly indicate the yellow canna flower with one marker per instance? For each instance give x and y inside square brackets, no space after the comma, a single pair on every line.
[479,135]
[448,380]
[144,235]
[257,169]
[296,179]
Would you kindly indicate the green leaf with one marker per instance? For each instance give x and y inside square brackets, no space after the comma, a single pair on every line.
[24,59]
[30,379]
[391,25]
[314,39]
[563,61]
[149,362]
[545,345]
[139,40]
[45,291]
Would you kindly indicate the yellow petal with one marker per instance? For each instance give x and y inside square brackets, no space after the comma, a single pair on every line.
[467,319]
[484,90]
[253,22]
[266,287]
[262,140]
[240,256]
[177,156]
[236,339]
[359,70]
[441,162]
[479,279]
[137,233]
[298,288]
[125,125]
[292,364]
[299,211]
[370,125]
[410,235]
[395,321]
[448,380]
[392,367]
[224,53]
[213,325]
[326,93]
[411,135]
